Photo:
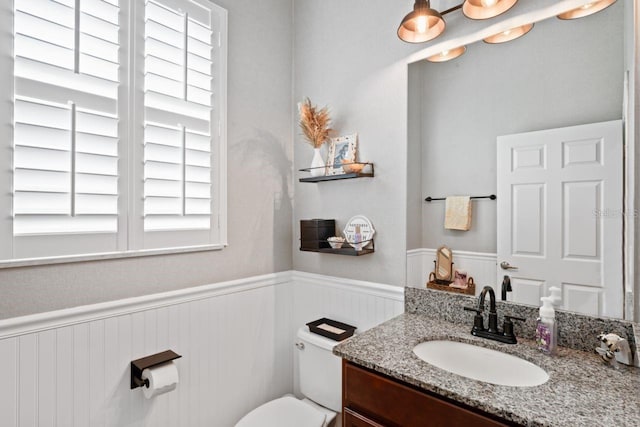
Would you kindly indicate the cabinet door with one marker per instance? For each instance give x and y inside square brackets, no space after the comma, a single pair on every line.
[353,419]
[393,403]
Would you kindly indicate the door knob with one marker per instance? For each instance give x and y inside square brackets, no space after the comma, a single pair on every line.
[506,266]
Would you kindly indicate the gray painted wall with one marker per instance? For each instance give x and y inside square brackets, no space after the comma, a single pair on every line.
[347,56]
[414,159]
[260,119]
[562,73]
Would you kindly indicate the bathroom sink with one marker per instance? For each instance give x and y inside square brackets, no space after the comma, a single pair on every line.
[482,364]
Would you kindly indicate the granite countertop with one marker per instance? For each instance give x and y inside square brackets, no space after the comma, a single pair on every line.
[581,391]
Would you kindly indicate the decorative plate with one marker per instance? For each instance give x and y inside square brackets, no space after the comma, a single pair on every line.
[366,230]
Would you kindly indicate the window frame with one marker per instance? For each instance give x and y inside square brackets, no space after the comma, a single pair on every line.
[129,238]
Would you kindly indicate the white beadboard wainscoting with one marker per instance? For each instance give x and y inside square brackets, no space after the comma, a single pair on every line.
[480,265]
[71,367]
[358,303]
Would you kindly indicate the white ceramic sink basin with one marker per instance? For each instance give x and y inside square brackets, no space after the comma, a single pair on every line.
[482,364]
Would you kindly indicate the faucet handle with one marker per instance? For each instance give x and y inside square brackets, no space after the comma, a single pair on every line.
[478,321]
[507,327]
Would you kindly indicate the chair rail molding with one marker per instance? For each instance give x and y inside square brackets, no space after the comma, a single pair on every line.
[60,318]
[23,325]
[480,265]
[371,288]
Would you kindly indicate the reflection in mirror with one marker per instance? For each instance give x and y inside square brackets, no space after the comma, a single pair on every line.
[444,265]
[560,74]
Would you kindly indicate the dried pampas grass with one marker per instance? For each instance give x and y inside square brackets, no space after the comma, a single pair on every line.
[315,123]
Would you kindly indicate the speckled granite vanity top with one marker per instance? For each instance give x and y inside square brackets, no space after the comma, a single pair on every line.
[581,391]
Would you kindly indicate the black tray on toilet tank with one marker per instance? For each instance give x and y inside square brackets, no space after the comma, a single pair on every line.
[333,329]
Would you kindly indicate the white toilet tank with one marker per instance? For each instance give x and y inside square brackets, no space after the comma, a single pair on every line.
[320,371]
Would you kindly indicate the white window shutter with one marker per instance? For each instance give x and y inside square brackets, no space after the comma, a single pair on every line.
[113,139]
[182,111]
[66,126]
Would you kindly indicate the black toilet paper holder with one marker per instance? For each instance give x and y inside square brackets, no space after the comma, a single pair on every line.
[139,365]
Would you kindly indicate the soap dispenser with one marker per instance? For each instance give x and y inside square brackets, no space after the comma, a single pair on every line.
[555,295]
[546,328]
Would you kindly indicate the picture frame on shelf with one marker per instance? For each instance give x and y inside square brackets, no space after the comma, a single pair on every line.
[341,149]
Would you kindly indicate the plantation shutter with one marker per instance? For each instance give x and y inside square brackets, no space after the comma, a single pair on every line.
[181,123]
[113,128]
[66,126]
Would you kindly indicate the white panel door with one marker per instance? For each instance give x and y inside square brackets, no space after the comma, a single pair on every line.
[560,211]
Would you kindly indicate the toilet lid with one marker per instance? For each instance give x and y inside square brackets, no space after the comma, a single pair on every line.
[284,412]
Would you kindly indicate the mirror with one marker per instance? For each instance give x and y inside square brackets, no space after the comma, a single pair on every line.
[444,265]
[560,74]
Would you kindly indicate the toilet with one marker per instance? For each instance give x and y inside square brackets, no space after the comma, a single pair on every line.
[320,375]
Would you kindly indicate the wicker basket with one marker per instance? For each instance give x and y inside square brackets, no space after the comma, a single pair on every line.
[471,288]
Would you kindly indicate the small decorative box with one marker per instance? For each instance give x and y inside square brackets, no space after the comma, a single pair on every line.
[315,232]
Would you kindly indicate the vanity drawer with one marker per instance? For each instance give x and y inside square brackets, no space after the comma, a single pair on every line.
[381,401]
[353,419]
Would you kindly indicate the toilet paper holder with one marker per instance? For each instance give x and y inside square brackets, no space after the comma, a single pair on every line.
[139,365]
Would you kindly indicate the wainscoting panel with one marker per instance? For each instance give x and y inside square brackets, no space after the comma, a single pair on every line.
[9,381]
[481,266]
[235,340]
[358,303]
[416,265]
[71,367]
[361,304]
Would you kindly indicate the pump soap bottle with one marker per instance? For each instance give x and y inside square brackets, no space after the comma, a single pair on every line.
[546,328]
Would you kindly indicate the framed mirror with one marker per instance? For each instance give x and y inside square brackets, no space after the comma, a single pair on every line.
[444,265]
[561,74]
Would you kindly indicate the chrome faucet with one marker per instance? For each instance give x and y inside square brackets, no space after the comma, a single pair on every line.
[492,332]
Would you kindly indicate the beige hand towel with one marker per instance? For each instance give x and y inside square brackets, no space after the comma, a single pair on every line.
[457,214]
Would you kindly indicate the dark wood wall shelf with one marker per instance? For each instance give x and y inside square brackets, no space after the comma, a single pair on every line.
[367,172]
[342,251]
[345,250]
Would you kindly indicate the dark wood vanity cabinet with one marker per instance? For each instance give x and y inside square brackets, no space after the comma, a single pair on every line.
[370,399]
[354,419]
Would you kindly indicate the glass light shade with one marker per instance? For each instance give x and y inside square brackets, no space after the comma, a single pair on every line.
[485,9]
[587,9]
[447,55]
[422,24]
[507,36]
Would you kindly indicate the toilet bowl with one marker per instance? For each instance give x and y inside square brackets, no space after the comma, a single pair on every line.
[286,411]
[320,381]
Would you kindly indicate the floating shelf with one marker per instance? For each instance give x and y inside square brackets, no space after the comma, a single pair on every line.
[347,250]
[342,251]
[368,167]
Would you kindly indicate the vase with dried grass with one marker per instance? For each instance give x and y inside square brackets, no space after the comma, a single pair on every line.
[315,124]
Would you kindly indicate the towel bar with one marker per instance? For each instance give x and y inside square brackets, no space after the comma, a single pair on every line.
[431,199]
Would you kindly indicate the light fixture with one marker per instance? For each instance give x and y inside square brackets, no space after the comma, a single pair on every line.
[422,24]
[511,34]
[447,55]
[587,9]
[485,9]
